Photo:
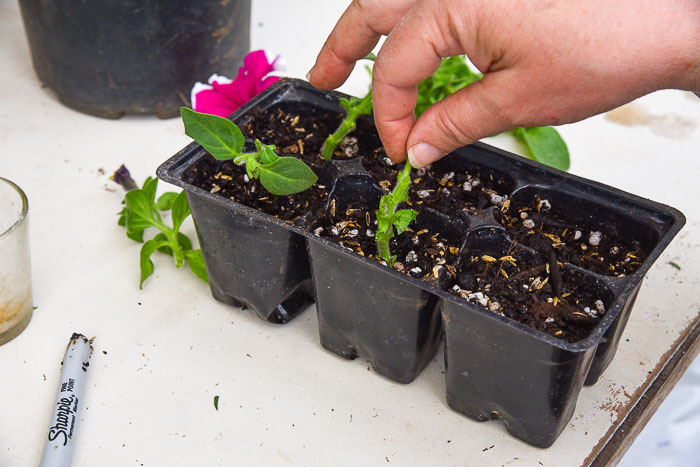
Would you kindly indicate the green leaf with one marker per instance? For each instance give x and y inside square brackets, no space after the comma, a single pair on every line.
[267,155]
[675,265]
[219,136]
[545,145]
[452,75]
[195,261]
[252,167]
[183,240]
[180,210]
[345,103]
[383,223]
[165,201]
[287,175]
[402,218]
[141,216]
[146,264]
[133,231]
[403,183]
[122,217]
[149,187]
[216,403]
[363,106]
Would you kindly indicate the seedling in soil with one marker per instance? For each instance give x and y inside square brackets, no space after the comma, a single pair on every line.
[224,140]
[142,210]
[391,222]
[354,108]
[544,144]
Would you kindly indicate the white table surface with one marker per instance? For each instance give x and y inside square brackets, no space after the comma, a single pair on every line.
[164,352]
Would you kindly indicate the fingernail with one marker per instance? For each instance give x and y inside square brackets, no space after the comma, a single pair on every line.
[422,154]
[308,75]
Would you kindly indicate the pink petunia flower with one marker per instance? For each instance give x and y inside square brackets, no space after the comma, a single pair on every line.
[222,96]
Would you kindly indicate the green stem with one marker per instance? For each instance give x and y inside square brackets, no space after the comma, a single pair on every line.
[387,210]
[173,241]
[175,246]
[384,250]
[364,107]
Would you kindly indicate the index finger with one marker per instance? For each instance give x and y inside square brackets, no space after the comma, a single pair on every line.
[407,57]
[354,36]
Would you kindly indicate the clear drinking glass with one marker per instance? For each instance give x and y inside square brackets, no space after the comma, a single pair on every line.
[15,270]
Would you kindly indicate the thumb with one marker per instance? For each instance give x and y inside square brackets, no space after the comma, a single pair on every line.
[482,109]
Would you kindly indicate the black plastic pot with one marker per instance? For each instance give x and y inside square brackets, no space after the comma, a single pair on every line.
[112,57]
[496,368]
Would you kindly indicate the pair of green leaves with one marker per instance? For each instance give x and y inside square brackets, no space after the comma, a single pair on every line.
[389,219]
[142,210]
[224,140]
[543,144]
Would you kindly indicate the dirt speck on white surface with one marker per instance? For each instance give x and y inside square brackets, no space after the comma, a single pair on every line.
[668,125]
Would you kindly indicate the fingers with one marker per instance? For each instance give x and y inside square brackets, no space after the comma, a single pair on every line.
[354,36]
[407,57]
[482,109]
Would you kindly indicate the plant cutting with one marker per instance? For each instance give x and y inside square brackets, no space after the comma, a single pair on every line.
[391,221]
[354,107]
[224,141]
[142,210]
[487,221]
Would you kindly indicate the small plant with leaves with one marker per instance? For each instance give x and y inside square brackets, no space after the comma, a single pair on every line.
[390,221]
[543,144]
[354,107]
[142,210]
[225,141]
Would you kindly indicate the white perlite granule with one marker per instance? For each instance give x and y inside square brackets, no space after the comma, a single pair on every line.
[600,306]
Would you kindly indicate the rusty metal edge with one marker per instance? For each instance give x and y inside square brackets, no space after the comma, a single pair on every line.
[670,368]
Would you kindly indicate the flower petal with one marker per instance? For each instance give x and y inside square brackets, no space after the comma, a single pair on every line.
[196,89]
[255,64]
[222,95]
[209,101]
[219,79]
[267,82]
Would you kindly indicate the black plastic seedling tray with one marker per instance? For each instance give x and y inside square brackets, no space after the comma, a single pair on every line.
[496,368]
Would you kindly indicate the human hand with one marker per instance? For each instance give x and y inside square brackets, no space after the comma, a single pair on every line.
[544,63]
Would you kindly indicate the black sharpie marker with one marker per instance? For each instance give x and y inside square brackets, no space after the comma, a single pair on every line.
[64,421]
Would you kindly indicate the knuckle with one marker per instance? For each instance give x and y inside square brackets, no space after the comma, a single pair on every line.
[365,8]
